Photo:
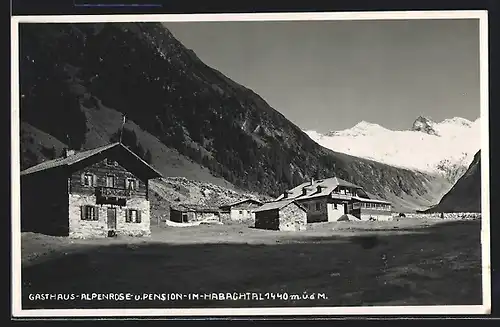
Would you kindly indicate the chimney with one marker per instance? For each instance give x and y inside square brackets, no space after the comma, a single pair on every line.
[285,195]
[67,152]
[312,181]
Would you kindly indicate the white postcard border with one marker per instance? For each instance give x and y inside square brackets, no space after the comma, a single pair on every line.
[485,308]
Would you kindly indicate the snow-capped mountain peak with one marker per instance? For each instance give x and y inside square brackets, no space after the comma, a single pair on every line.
[362,128]
[458,121]
[367,126]
[447,147]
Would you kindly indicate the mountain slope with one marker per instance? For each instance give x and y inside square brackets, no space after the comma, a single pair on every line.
[89,74]
[37,146]
[446,148]
[465,195]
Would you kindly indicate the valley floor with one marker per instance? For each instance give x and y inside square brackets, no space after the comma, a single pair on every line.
[406,262]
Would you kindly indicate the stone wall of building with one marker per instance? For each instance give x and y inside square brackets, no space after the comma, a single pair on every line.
[79,228]
[200,216]
[243,212]
[292,218]
[449,215]
[225,217]
[130,228]
[240,214]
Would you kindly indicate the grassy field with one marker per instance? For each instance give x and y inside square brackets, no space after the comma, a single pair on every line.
[406,262]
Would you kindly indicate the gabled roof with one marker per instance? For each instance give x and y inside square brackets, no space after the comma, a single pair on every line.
[194,207]
[327,187]
[79,156]
[240,202]
[277,205]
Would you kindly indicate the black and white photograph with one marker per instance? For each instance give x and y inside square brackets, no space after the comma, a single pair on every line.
[267,164]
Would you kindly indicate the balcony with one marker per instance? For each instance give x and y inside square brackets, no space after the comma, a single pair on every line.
[370,206]
[112,192]
[340,196]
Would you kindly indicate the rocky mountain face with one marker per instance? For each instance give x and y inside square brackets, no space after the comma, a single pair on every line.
[424,125]
[185,118]
[465,195]
[175,190]
[446,148]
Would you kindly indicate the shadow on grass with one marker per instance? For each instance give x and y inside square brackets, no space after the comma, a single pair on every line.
[439,265]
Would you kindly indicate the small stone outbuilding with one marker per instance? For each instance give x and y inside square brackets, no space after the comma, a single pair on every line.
[188,213]
[241,211]
[285,215]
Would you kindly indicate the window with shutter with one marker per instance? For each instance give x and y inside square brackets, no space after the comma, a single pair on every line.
[88,179]
[110,181]
[89,212]
[133,216]
[131,184]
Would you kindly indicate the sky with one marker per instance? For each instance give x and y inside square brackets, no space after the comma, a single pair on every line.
[330,75]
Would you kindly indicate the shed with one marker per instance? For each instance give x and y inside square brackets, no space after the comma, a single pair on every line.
[185,212]
[242,210]
[285,215]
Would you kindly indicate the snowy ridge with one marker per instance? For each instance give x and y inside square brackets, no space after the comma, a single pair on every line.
[446,148]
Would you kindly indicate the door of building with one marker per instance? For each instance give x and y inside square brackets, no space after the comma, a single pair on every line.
[112,219]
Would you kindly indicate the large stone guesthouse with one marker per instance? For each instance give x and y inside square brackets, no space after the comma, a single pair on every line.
[329,199]
[94,193]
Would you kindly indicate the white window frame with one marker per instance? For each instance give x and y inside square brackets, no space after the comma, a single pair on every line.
[86,177]
[113,178]
[131,219]
[128,181]
[93,213]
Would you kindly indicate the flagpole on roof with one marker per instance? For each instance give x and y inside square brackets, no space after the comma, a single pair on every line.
[121,129]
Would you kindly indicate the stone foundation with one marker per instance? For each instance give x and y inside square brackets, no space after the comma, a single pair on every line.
[292,218]
[79,228]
